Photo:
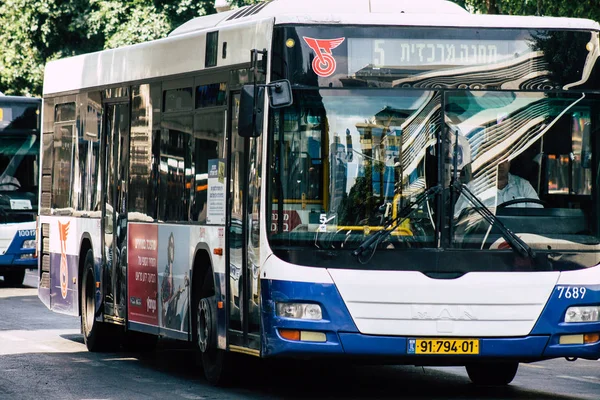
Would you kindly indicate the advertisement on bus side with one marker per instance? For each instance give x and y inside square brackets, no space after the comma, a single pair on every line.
[143,273]
[173,277]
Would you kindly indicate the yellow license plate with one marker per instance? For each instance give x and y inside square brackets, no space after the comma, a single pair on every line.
[443,346]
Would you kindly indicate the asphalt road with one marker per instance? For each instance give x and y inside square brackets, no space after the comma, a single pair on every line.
[42,356]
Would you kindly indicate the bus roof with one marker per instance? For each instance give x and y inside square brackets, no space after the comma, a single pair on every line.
[378,12]
[19,99]
[248,27]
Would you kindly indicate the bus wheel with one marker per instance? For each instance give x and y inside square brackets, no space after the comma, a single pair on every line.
[492,374]
[215,361]
[14,278]
[95,334]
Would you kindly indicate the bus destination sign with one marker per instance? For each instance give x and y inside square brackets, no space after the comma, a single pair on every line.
[386,53]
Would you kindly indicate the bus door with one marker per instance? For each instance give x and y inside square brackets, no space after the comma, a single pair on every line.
[244,312]
[116,139]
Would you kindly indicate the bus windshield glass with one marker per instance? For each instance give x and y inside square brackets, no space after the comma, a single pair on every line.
[381,117]
[528,157]
[340,165]
[19,158]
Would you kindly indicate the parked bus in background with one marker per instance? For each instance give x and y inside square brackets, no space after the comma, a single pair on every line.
[20,122]
[311,179]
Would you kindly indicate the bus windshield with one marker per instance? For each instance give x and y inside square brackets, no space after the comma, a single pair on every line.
[341,168]
[347,161]
[381,117]
[528,157]
[19,158]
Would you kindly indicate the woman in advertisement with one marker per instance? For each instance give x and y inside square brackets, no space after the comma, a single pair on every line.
[172,314]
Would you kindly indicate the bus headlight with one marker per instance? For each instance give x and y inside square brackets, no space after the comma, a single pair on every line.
[582,314]
[29,244]
[299,310]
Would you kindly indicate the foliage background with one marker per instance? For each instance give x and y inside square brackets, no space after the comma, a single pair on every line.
[37,31]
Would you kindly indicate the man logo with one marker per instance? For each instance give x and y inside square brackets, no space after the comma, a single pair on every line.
[63,230]
[443,313]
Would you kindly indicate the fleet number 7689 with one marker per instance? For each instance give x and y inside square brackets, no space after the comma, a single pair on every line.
[571,292]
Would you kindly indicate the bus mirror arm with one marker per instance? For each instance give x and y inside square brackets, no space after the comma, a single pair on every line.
[250,117]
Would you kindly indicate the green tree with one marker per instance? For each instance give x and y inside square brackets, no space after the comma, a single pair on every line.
[34,31]
[37,31]
[556,8]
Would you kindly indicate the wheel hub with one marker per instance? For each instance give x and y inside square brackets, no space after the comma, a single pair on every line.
[203,327]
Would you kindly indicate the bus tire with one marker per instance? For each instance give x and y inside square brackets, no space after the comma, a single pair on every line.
[493,373]
[14,278]
[95,334]
[215,362]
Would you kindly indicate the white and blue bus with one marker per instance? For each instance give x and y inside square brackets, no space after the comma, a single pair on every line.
[362,179]
[20,127]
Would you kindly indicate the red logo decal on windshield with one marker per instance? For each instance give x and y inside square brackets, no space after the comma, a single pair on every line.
[324,63]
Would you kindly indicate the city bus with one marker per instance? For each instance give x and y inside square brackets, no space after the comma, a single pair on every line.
[20,127]
[329,180]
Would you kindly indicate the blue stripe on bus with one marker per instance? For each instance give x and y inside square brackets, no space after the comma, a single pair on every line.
[552,318]
[335,317]
[361,345]
[70,304]
[11,256]
[551,322]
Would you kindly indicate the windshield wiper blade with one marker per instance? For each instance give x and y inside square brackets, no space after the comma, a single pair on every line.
[391,225]
[511,238]
[515,242]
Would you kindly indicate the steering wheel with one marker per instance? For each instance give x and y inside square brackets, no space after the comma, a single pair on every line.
[520,201]
[15,184]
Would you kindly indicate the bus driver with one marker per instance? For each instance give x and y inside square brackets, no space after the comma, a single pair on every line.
[510,187]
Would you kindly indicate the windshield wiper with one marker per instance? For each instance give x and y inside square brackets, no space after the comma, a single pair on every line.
[515,242]
[391,225]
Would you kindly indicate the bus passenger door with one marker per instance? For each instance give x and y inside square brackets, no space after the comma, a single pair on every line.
[115,209]
[244,315]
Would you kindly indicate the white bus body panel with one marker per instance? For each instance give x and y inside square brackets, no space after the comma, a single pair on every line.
[580,277]
[77,228]
[67,301]
[276,269]
[478,304]
[165,57]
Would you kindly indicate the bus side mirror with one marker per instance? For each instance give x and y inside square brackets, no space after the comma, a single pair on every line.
[280,94]
[250,119]
[249,122]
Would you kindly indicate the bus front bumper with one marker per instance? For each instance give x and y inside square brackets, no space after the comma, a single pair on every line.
[339,336]
[17,262]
